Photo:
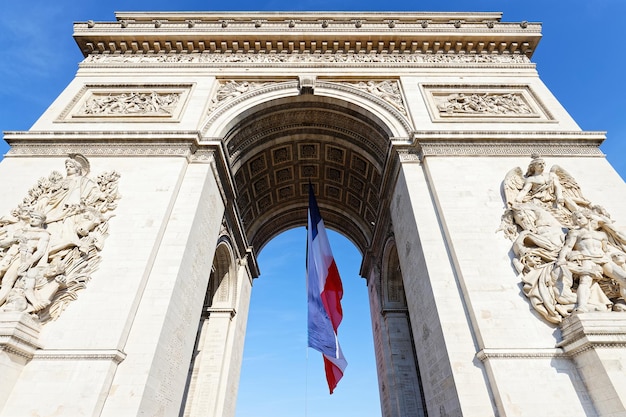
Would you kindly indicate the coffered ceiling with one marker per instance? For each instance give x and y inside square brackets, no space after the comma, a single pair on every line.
[276,151]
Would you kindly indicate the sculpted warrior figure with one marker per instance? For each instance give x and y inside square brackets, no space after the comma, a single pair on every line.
[50,243]
[586,254]
[569,254]
[75,189]
[31,243]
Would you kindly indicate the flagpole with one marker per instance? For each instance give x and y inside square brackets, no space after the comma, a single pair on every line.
[306,384]
[306,347]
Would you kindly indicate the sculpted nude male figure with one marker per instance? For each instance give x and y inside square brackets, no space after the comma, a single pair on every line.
[586,254]
[32,242]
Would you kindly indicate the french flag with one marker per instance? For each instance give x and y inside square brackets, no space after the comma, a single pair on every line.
[324,292]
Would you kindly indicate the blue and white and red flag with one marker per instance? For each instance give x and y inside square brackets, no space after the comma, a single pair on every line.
[324,292]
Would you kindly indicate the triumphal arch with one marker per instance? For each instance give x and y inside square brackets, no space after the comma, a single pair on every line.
[492,228]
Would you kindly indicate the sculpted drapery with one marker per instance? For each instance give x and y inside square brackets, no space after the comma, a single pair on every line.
[569,254]
[50,243]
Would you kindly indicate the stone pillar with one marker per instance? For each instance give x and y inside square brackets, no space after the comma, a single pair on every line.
[405,386]
[381,347]
[596,342]
[398,378]
[237,338]
[444,343]
[123,346]
[212,349]
[216,368]
[164,330]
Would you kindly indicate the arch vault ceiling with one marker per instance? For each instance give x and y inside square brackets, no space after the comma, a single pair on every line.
[275,151]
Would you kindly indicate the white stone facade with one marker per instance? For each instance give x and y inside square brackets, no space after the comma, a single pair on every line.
[406,124]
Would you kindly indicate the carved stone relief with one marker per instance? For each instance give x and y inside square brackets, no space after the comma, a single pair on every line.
[386,90]
[569,254]
[232,89]
[295,58]
[50,243]
[484,102]
[127,102]
[133,103]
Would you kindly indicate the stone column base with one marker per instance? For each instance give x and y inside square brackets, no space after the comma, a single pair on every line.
[19,334]
[597,344]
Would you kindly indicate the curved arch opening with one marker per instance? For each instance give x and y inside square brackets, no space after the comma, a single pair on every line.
[275,349]
[276,148]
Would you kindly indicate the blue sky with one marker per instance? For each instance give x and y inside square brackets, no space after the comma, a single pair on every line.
[579,59]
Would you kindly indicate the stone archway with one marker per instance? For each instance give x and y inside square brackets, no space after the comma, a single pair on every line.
[337,136]
[275,147]
[405,122]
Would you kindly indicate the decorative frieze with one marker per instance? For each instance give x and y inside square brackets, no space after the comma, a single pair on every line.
[445,148]
[130,102]
[308,59]
[456,104]
[475,103]
[100,149]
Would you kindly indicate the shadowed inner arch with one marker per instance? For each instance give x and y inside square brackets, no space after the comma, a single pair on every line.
[276,148]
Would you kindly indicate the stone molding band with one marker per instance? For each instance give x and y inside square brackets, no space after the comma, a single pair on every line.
[597,330]
[114,355]
[18,346]
[177,144]
[503,353]
[295,60]
[522,149]
[191,150]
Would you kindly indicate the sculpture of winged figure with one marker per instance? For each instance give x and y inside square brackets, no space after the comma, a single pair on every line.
[568,252]
[386,90]
[232,89]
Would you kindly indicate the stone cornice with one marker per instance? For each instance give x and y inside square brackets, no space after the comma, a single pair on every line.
[583,332]
[519,353]
[297,32]
[114,355]
[499,143]
[104,143]
[19,334]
